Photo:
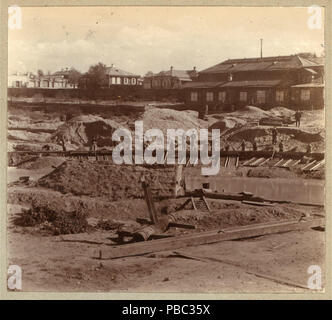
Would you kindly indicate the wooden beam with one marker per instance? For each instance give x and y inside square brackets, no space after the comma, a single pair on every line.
[141,248]
[255,203]
[193,202]
[244,268]
[265,161]
[256,162]
[318,165]
[278,163]
[308,165]
[206,203]
[249,161]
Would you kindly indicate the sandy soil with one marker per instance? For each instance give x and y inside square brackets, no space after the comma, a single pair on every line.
[66,263]
[108,194]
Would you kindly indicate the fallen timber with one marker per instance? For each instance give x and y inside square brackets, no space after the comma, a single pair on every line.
[142,248]
[224,196]
[243,155]
[244,197]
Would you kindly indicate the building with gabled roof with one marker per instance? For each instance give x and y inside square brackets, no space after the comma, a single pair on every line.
[170,79]
[118,76]
[263,82]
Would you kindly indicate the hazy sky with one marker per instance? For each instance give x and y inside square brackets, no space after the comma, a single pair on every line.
[139,39]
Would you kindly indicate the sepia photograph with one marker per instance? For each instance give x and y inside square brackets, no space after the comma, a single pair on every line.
[166,149]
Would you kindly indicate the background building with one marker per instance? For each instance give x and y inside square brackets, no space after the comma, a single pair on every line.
[263,82]
[171,79]
[117,77]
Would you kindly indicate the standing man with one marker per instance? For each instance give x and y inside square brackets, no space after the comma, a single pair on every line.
[254,146]
[93,146]
[274,136]
[298,115]
[281,147]
[243,145]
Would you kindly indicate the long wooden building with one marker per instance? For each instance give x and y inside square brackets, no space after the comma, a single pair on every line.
[289,81]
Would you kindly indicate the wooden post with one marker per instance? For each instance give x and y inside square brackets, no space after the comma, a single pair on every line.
[149,202]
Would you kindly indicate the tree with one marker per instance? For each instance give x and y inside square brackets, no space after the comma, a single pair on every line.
[40,73]
[74,76]
[149,74]
[97,77]
[307,55]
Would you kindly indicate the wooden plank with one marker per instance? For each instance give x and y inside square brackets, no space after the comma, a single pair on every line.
[206,203]
[254,230]
[308,165]
[244,268]
[295,163]
[226,161]
[262,163]
[249,161]
[181,225]
[255,203]
[279,162]
[287,163]
[150,203]
[193,202]
[318,165]
[256,162]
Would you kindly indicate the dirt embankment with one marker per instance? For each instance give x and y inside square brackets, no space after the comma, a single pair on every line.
[112,181]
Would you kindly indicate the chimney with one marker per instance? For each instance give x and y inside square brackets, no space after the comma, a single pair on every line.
[261,48]
[171,70]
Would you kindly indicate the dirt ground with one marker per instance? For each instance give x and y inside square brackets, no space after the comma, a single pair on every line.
[66,263]
[108,197]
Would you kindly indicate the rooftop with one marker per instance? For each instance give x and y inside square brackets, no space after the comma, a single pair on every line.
[266,64]
[114,71]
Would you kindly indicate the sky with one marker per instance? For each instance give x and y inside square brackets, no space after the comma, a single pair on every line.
[142,39]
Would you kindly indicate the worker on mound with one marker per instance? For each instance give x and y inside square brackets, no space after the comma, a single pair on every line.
[93,146]
[298,116]
[274,136]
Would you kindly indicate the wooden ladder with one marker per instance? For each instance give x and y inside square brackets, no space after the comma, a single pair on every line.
[200,204]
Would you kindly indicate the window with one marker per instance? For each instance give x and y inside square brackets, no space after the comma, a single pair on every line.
[209,96]
[125,81]
[305,94]
[260,96]
[193,96]
[133,81]
[165,83]
[118,80]
[113,80]
[243,96]
[280,96]
[222,96]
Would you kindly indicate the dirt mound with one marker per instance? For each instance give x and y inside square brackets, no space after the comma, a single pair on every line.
[24,135]
[80,130]
[53,220]
[265,172]
[227,123]
[111,181]
[164,119]
[248,134]
[301,135]
[235,214]
[41,163]
[250,112]
[281,112]
[292,138]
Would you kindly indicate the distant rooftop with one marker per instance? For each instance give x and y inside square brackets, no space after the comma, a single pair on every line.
[114,71]
[183,75]
[267,63]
